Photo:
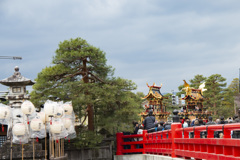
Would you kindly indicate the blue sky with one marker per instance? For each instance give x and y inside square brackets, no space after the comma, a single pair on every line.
[146,41]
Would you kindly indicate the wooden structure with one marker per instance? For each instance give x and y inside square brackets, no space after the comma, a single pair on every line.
[194,102]
[154,99]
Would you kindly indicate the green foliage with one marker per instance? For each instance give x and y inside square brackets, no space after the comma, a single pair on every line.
[89,139]
[79,74]
[234,86]
[215,92]
[219,99]
[118,106]
[197,81]
[227,104]
[180,90]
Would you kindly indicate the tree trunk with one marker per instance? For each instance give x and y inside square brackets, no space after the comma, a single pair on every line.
[89,108]
[90,118]
[215,109]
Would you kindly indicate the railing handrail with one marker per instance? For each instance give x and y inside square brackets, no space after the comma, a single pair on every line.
[176,142]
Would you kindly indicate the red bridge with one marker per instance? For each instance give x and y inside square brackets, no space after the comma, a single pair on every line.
[176,143]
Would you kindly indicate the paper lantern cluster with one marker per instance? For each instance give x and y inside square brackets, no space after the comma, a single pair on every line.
[56,118]
[61,119]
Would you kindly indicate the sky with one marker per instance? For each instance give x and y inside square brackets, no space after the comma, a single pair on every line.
[146,41]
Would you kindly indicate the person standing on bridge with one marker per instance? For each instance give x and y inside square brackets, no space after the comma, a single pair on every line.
[149,121]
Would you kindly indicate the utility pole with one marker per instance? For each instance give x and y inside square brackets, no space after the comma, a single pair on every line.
[11,57]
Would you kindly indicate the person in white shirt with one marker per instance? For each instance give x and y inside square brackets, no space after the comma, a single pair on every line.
[185,125]
[140,131]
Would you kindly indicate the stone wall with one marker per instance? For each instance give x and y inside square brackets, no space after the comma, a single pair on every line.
[101,153]
[5,151]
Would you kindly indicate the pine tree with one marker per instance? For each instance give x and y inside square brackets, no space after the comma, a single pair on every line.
[79,73]
[215,92]
[197,81]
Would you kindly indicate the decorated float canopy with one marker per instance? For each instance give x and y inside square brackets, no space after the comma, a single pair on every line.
[194,102]
[154,93]
[194,97]
[155,98]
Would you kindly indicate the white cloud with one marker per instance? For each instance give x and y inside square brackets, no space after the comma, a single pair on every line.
[146,41]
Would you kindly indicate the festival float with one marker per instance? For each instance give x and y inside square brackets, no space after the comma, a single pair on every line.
[194,103]
[155,102]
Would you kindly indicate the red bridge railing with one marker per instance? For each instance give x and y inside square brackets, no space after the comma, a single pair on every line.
[176,142]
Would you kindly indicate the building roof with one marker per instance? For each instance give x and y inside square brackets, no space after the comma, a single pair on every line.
[16,79]
[154,92]
[194,94]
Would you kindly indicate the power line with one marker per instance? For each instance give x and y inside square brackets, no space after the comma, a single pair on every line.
[11,57]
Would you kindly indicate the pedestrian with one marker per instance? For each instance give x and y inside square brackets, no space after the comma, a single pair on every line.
[167,126]
[210,121]
[196,122]
[185,124]
[156,127]
[136,127]
[149,121]
[222,120]
[140,131]
[161,127]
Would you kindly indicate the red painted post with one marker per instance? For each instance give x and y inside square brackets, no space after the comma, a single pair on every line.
[174,126]
[144,141]
[119,143]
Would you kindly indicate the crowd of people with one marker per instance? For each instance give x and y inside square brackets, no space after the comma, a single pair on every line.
[151,125]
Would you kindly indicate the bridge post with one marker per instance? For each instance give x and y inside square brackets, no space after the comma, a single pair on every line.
[119,143]
[144,141]
[175,125]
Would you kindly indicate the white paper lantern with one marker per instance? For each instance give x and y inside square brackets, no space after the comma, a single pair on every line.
[68,109]
[27,107]
[42,116]
[36,124]
[19,129]
[50,109]
[56,127]
[60,112]
[47,118]
[4,112]
[67,122]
